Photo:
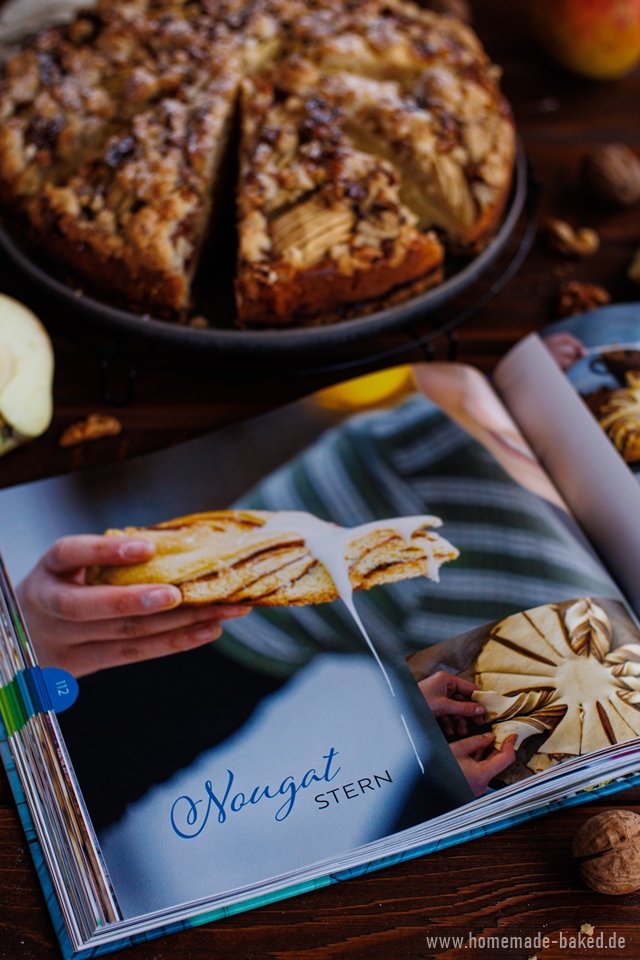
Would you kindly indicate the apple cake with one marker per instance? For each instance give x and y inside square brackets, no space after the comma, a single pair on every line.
[369,139]
[268,558]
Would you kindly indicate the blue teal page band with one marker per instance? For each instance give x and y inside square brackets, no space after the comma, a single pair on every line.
[35,690]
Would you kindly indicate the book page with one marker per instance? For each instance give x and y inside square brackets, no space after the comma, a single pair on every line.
[585,466]
[299,742]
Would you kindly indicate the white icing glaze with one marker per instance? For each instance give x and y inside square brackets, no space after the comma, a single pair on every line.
[328,544]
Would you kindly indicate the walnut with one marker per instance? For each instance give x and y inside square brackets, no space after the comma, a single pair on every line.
[606,852]
[612,174]
[576,297]
[587,928]
[580,242]
[96,426]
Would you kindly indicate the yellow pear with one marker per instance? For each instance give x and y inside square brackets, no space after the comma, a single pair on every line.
[26,375]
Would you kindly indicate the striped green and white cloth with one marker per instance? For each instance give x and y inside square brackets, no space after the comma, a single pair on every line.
[516,550]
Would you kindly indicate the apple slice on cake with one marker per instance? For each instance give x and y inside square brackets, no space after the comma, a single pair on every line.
[321,224]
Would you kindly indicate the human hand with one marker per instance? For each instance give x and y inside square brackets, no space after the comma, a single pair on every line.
[479,762]
[83,628]
[449,698]
[565,349]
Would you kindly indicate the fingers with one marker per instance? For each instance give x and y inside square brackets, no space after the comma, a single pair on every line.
[465,708]
[449,694]
[460,687]
[500,759]
[88,657]
[496,762]
[77,602]
[472,745]
[565,348]
[447,727]
[72,553]
[83,628]
[478,768]
[128,612]
[452,715]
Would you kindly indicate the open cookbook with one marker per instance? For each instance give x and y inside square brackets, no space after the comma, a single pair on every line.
[442,638]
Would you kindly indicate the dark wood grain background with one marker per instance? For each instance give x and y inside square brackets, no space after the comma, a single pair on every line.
[518,882]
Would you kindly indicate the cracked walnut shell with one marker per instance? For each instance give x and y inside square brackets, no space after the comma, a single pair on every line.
[606,852]
[612,174]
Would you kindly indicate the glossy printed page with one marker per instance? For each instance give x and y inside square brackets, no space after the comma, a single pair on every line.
[560,679]
[298,741]
[550,409]
[337,756]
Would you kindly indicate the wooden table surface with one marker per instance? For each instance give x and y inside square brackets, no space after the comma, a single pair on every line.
[516,883]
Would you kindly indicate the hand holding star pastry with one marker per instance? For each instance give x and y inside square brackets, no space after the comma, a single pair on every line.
[552,671]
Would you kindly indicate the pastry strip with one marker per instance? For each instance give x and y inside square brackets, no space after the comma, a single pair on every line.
[253,557]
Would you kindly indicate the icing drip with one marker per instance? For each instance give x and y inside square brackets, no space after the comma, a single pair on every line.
[328,544]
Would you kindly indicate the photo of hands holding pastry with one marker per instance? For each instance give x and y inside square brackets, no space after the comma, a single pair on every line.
[129,607]
[300,539]
[551,683]
[83,628]
[450,700]
[94,602]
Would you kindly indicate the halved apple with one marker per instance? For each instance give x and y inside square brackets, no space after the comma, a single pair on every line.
[26,375]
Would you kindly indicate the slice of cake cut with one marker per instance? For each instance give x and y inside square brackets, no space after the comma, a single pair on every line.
[321,224]
[274,558]
[131,208]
